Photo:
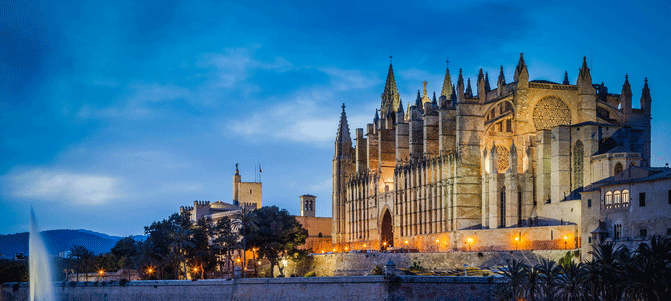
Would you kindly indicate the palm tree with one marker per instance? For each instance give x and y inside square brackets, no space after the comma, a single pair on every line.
[532,281]
[83,254]
[515,275]
[606,270]
[570,281]
[548,271]
[244,221]
[181,242]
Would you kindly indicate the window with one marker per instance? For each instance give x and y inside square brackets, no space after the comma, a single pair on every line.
[589,204]
[578,160]
[609,199]
[519,206]
[502,210]
[641,199]
[250,191]
[589,240]
[618,168]
[617,198]
[617,231]
[625,197]
[643,233]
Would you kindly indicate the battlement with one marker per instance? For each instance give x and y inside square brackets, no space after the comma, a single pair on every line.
[202,203]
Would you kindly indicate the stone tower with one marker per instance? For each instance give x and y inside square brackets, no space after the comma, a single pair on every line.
[308,205]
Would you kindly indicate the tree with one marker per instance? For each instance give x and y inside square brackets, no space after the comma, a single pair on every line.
[125,250]
[84,255]
[548,271]
[278,234]
[225,240]
[161,236]
[181,242]
[245,220]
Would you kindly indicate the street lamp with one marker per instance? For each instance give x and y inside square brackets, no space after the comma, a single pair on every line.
[517,240]
[565,241]
[469,242]
[102,273]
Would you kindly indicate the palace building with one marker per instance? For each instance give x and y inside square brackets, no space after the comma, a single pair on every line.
[490,168]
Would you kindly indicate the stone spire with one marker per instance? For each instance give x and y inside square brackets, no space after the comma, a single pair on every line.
[521,71]
[425,96]
[377,117]
[585,79]
[343,143]
[646,100]
[343,127]
[487,87]
[447,84]
[469,91]
[390,96]
[566,82]
[626,96]
[460,88]
[481,86]
[400,115]
[502,79]
[512,165]
[453,100]
[418,101]
[434,101]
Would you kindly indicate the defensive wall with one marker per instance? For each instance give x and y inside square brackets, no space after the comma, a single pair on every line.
[299,288]
[348,264]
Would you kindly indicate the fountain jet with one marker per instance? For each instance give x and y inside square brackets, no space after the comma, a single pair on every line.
[41,286]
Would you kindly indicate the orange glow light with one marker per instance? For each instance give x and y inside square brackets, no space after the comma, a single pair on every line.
[470,240]
[101,272]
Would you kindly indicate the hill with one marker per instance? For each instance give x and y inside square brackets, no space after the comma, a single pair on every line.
[60,241]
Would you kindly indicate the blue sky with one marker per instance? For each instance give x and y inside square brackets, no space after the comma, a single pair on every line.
[115,113]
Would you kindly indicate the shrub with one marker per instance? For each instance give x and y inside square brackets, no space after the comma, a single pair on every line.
[123,282]
[376,271]
[311,274]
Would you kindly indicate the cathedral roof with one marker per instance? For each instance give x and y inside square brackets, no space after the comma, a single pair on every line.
[390,96]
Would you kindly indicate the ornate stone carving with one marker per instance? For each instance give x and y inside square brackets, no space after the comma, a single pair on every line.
[502,155]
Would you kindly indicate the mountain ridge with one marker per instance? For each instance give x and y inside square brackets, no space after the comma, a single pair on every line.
[60,241]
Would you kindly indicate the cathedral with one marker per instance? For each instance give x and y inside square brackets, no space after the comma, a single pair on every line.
[484,168]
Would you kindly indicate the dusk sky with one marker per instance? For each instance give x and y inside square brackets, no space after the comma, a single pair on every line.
[114,113]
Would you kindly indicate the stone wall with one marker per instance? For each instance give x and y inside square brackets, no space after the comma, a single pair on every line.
[331,288]
[346,264]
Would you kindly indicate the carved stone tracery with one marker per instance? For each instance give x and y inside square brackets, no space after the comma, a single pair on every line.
[550,112]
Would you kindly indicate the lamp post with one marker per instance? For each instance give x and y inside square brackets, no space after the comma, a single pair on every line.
[517,239]
[102,274]
[565,241]
[469,242]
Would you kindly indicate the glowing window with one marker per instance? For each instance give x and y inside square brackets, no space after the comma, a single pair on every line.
[617,198]
[609,198]
[625,197]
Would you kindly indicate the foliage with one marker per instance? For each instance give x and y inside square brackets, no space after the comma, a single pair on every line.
[84,256]
[614,273]
[13,271]
[416,266]
[278,234]
[311,274]
[377,271]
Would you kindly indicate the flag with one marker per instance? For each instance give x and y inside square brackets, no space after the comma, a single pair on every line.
[260,168]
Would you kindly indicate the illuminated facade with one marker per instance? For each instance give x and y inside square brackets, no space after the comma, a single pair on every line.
[479,168]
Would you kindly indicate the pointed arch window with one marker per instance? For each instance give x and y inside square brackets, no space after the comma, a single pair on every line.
[618,168]
[519,206]
[578,159]
[502,209]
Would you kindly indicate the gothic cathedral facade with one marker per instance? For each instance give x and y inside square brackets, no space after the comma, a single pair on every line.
[511,157]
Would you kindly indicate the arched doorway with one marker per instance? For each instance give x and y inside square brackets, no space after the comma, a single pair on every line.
[386,231]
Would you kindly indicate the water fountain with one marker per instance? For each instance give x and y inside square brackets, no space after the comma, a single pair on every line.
[41,286]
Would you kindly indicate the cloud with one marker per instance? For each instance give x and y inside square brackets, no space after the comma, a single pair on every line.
[233,66]
[308,114]
[46,185]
